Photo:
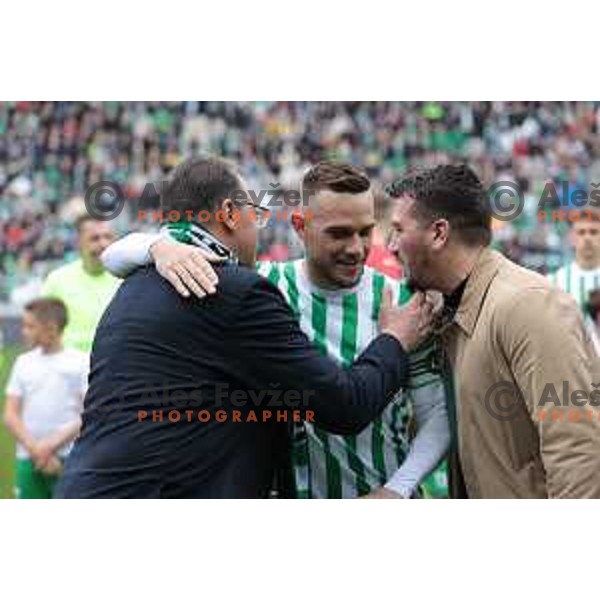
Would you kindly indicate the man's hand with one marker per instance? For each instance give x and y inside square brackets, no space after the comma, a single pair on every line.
[42,452]
[382,493]
[53,467]
[410,324]
[186,268]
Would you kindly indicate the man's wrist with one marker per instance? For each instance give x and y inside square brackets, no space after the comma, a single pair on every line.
[159,238]
[402,490]
[30,447]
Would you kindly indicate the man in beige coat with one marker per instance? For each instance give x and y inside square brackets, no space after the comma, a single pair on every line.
[526,418]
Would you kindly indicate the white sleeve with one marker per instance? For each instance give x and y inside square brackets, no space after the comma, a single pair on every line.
[127,254]
[430,443]
[15,385]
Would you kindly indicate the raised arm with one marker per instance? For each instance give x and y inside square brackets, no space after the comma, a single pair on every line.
[344,401]
[187,268]
[129,253]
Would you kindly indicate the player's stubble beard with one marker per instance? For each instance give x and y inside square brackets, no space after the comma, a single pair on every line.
[324,274]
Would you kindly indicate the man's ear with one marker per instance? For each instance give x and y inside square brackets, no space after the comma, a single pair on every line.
[441,231]
[299,223]
[229,215]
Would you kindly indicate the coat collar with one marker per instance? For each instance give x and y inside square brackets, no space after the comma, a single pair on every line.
[485,270]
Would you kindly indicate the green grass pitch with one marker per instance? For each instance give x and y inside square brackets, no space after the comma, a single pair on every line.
[7,444]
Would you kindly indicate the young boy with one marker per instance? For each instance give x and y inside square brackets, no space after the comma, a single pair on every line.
[44,398]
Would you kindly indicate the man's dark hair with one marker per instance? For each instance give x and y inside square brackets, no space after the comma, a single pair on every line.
[200,184]
[451,192]
[336,177]
[82,220]
[49,310]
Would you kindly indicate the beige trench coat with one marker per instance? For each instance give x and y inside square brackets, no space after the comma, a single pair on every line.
[513,346]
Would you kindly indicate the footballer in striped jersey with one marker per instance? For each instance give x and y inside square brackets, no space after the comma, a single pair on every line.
[581,276]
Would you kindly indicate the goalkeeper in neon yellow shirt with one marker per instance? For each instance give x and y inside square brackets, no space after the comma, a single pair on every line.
[84,285]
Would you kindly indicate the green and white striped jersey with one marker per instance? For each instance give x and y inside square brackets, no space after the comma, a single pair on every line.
[342,323]
[576,281]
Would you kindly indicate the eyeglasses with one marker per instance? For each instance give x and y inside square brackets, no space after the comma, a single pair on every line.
[262,214]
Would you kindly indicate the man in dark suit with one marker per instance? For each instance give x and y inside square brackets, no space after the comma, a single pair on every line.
[192,398]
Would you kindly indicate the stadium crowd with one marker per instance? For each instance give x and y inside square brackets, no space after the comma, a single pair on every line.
[50,152]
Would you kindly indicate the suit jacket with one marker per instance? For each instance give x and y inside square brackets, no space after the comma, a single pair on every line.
[513,346]
[157,351]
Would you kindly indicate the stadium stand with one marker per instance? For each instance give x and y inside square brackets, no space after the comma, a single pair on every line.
[50,152]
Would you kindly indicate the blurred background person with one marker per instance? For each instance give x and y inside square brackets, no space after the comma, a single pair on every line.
[44,399]
[84,285]
[581,275]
